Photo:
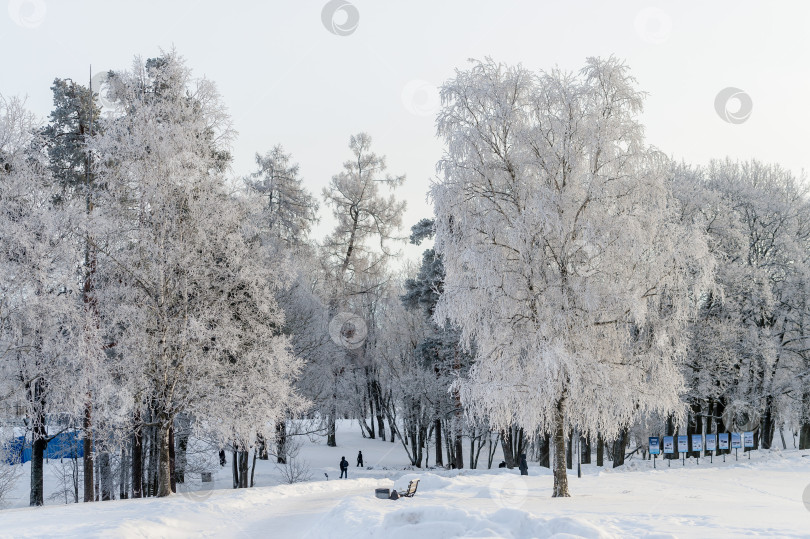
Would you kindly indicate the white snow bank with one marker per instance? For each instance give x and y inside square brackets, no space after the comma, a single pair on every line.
[356,518]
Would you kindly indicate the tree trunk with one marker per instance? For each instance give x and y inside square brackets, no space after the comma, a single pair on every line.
[137,459]
[768,424]
[104,476]
[719,425]
[123,477]
[154,450]
[369,398]
[37,457]
[569,452]
[459,453]
[75,479]
[181,459]
[804,436]
[281,442]
[87,459]
[600,450]
[97,476]
[330,431]
[235,468]
[670,430]
[253,468]
[164,475]
[506,445]
[560,474]
[545,450]
[804,422]
[619,446]
[586,450]
[172,460]
[261,445]
[243,469]
[437,428]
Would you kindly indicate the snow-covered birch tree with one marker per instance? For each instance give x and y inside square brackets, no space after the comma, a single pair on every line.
[565,267]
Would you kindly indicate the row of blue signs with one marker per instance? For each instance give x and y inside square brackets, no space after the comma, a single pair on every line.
[713,442]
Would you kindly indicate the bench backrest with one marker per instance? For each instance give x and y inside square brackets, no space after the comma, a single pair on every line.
[412,487]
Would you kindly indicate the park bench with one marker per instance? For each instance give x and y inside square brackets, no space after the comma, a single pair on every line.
[411,490]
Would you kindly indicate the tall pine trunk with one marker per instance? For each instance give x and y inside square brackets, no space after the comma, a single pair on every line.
[804,427]
[768,423]
[438,430]
[87,458]
[123,474]
[137,458]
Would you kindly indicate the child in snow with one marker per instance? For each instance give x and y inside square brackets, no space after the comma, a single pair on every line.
[344,468]
[360,459]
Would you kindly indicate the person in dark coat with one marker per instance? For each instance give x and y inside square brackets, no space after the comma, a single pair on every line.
[524,466]
[360,459]
[344,468]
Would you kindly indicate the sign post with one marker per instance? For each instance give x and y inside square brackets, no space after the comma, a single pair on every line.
[711,446]
[736,442]
[723,441]
[748,442]
[669,448]
[655,448]
[697,445]
[683,447]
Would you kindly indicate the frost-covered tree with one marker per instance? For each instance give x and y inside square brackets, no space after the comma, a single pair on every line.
[356,252]
[565,264]
[748,345]
[288,210]
[73,120]
[184,287]
[39,319]
[439,351]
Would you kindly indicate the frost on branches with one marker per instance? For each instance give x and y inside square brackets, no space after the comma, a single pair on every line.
[567,269]
[184,289]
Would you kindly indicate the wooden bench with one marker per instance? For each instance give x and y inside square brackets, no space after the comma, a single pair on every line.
[411,490]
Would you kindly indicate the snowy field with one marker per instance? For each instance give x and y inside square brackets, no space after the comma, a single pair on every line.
[760,497]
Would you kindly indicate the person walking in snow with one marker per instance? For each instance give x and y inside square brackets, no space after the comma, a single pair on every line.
[360,459]
[524,466]
[344,468]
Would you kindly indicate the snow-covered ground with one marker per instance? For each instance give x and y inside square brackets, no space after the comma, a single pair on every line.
[757,497]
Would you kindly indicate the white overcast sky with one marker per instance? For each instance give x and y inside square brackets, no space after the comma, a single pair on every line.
[287,79]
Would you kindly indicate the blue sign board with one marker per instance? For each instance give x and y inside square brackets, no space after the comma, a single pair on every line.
[711,442]
[683,444]
[669,445]
[697,442]
[723,440]
[748,439]
[655,448]
[736,441]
